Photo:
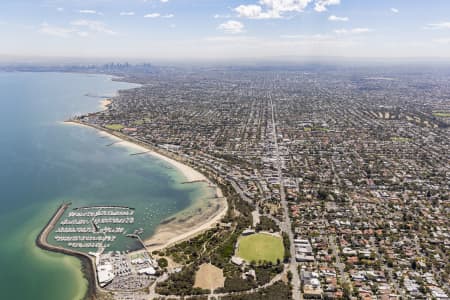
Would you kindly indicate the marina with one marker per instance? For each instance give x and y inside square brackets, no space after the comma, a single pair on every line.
[108,270]
[73,164]
[96,227]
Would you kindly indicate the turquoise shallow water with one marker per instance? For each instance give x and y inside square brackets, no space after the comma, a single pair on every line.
[44,162]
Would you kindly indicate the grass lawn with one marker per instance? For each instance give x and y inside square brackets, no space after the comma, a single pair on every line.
[441,114]
[116,127]
[261,247]
[139,122]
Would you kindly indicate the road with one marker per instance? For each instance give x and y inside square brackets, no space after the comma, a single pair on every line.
[154,295]
[286,225]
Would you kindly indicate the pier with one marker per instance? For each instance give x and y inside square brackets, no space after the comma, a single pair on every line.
[140,153]
[194,181]
[109,145]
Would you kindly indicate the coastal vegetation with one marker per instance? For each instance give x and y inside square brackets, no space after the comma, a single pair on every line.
[278,290]
[217,246]
[181,283]
[162,263]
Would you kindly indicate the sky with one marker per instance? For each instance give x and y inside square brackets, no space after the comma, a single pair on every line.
[225,30]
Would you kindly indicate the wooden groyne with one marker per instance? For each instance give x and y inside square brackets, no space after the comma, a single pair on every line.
[194,181]
[87,261]
[109,145]
[140,153]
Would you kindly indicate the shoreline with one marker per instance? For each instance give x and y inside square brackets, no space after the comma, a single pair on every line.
[105,103]
[188,172]
[178,229]
[87,262]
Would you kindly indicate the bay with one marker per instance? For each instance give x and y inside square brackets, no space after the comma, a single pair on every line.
[44,163]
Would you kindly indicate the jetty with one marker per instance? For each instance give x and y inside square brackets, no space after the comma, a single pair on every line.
[194,181]
[136,236]
[109,145]
[96,96]
[140,153]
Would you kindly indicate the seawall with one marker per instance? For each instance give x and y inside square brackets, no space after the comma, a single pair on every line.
[87,261]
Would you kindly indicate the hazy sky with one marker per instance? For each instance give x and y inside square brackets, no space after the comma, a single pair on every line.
[185,29]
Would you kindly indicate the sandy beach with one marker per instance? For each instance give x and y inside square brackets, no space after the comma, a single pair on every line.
[104,104]
[189,173]
[187,224]
[200,216]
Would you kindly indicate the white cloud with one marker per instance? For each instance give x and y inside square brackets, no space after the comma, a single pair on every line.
[127,13]
[94,26]
[321,5]
[353,31]
[338,19]
[60,9]
[88,11]
[217,16]
[164,1]
[442,25]
[152,15]
[231,27]
[158,15]
[272,9]
[255,12]
[62,32]
[286,5]
[394,10]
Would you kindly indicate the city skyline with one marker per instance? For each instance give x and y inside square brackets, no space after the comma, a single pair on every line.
[243,29]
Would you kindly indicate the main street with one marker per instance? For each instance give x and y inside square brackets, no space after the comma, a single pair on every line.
[286,225]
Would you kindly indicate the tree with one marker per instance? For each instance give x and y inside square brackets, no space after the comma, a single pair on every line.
[162,262]
[289,275]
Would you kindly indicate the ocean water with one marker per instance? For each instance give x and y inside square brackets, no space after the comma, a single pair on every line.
[44,163]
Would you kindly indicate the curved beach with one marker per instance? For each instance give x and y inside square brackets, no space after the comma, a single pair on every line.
[202,215]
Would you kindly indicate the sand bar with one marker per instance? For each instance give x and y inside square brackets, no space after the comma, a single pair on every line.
[104,104]
[182,229]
